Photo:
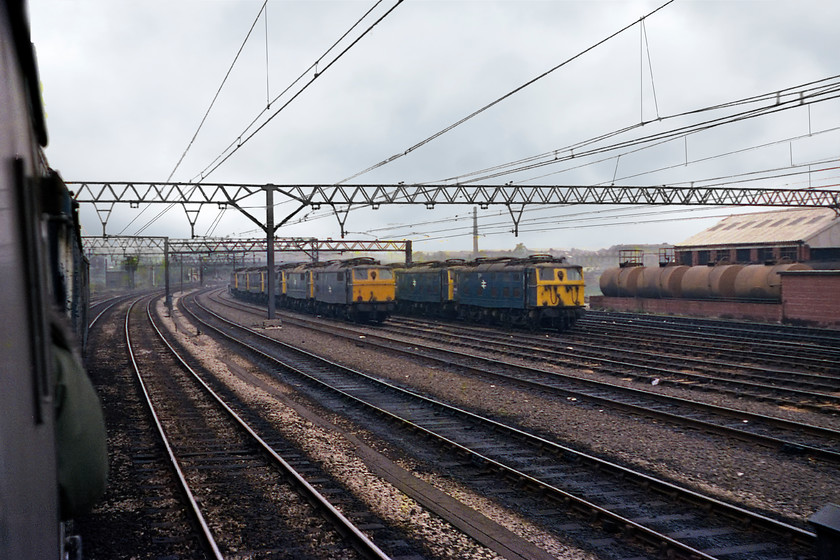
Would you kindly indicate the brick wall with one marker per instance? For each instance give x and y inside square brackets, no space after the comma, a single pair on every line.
[812,297]
[809,297]
[765,312]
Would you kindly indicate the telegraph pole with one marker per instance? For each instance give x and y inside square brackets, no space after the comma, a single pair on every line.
[475,232]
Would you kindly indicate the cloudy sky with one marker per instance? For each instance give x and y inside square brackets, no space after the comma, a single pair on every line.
[126,85]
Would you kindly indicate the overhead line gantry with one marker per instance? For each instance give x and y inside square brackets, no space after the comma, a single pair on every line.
[515,197]
[342,198]
[166,246]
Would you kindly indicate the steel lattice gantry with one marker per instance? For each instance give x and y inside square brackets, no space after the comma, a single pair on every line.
[342,198]
[515,197]
[310,246]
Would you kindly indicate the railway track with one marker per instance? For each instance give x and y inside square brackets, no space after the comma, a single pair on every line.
[785,436]
[783,386]
[732,348]
[641,508]
[102,306]
[220,459]
[141,509]
[668,365]
[807,338]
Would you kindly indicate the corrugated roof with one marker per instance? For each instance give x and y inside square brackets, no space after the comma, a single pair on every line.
[777,226]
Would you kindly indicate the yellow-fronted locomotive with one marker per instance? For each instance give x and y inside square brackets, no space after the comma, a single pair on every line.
[539,291]
[357,289]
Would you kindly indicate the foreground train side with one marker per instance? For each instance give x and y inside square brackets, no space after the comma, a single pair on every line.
[535,292]
[53,460]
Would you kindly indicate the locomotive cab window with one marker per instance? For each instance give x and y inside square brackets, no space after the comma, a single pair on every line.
[548,274]
[573,274]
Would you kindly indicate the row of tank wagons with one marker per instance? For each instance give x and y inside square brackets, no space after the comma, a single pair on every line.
[358,289]
[536,292]
[756,282]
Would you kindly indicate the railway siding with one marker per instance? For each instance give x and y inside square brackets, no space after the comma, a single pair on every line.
[402,407]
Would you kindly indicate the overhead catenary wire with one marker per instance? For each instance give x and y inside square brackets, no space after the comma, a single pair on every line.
[310,68]
[263,9]
[717,181]
[504,228]
[644,38]
[787,98]
[267,88]
[676,165]
[657,113]
[773,102]
[500,99]
[201,124]
[237,144]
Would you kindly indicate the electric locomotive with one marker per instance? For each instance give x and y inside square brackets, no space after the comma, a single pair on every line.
[357,289]
[427,288]
[300,287]
[249,283]
[539,291]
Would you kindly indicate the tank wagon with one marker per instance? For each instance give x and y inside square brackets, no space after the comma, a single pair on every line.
[755,282]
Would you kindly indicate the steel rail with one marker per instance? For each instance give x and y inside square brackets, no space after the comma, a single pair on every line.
[361,543]
[663,372]
[206,533]
[664,487]
[113,301]
[723,412]
[802,336]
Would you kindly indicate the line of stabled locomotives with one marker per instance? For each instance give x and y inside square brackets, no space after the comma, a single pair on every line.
[539,291]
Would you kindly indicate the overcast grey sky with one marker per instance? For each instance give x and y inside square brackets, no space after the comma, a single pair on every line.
[126,84]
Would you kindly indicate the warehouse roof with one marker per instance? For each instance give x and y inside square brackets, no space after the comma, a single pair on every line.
[777,226]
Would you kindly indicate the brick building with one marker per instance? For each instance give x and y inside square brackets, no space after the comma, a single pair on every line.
[799,235]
